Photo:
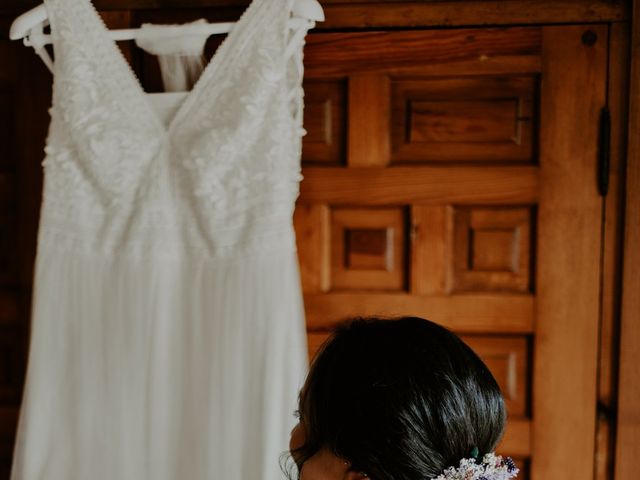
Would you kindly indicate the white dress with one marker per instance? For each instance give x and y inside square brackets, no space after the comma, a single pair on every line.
[168,335]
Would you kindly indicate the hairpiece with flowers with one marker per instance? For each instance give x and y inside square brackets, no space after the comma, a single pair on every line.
[492,467]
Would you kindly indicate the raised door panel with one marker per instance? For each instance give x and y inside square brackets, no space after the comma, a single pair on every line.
[325,122]
[492,249]
[368,249]
[485,119]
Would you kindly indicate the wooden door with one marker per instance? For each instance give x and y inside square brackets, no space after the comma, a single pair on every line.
[448,173]
[451,174]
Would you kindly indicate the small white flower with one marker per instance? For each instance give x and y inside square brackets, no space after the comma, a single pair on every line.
[492,467]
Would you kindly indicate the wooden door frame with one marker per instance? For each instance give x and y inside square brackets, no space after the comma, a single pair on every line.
[398,13]
[628,428]
[568,246]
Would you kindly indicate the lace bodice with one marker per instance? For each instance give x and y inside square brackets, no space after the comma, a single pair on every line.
[222,175]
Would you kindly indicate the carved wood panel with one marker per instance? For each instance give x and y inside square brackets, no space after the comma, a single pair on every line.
[325,121]
[368,249]
[488,119]
[436,123]
[492,249]
[455,119]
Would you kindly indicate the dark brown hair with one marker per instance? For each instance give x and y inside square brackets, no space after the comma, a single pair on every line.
[399,399]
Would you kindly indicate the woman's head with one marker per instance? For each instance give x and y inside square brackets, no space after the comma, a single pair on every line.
[397,399]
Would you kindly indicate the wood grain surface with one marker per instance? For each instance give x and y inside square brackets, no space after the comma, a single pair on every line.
[627,464]
[569,236]
[385,13]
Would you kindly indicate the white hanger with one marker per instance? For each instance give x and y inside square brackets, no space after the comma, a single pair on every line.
[30,27]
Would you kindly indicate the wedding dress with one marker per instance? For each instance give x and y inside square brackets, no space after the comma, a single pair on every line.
[167,336]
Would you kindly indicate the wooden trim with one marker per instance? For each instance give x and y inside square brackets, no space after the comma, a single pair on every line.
[312,224]
[614,212]
[456,13]
[462,313]
[397,13]
[569,246]
[458,52]
[628,429]
[369,114]
[432,244]
[426,185]
[612,252]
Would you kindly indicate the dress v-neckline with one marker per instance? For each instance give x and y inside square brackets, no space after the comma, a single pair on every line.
[213,67]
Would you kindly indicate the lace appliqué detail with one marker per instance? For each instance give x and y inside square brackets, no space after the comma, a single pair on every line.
[240,151]
[226,173]
[102,136]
